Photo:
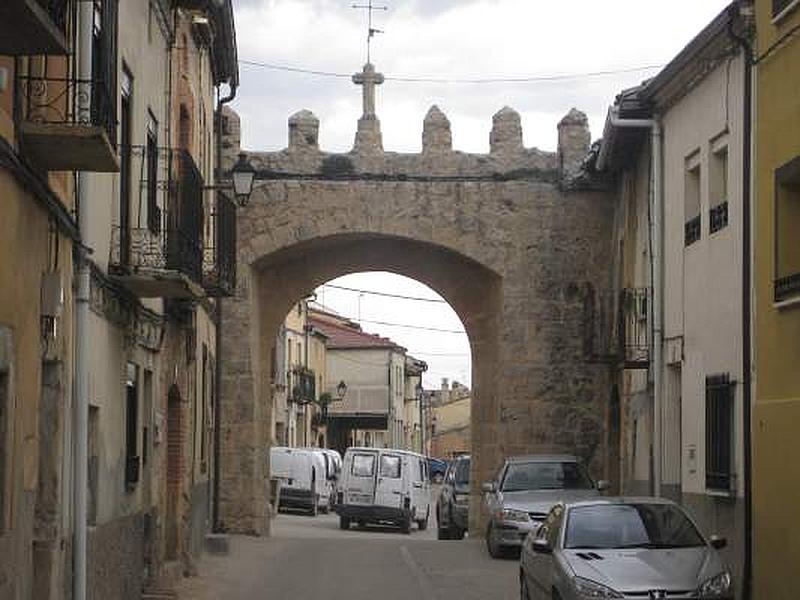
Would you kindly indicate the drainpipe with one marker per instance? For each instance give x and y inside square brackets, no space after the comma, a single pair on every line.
[657,261]
[747,157]
[81,434]
[215,517]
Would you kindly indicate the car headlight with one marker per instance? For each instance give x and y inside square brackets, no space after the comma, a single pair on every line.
[715,587]
[587,588]
[511,514]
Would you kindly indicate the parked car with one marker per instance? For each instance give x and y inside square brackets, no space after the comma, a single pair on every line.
[383,486]
[437,468]
[303,479]
[452,508]
[622,548]
[524,491]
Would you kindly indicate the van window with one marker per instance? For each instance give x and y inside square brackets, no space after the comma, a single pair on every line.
[363,465]
[390,466]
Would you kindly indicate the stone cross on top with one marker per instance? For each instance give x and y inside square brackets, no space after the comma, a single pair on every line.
[368,78]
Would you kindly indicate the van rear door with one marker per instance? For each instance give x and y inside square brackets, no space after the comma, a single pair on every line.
[363,469]
[390,489]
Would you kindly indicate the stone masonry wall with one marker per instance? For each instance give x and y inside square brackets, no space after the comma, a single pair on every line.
[516,240]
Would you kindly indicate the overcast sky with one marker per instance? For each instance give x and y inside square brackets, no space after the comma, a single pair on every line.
[447,353]
[446,39]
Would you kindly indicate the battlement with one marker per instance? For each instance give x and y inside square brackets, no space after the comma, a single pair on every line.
[507,157]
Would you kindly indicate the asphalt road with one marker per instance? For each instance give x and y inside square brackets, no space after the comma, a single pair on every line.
[308,558]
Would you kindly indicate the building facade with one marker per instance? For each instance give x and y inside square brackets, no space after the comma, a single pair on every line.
[413,417]
[119,130]
[776,408]
[38,233]
[451,420]
[372,412]
[682,415]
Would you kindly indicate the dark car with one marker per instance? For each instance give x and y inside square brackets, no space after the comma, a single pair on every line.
[452,508]
[437,468]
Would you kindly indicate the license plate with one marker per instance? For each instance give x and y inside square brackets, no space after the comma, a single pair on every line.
[355,498]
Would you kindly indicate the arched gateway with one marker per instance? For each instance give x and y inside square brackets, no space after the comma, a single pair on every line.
[517,241]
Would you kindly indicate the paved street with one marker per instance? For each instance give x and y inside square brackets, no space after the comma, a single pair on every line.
[312,558]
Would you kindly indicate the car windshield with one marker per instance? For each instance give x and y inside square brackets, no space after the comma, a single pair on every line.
[545,476]
[462,472]
[630,526]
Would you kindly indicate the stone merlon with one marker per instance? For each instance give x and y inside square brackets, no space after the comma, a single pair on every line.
[303,131]
[506,133]
[574,139]
[436,134]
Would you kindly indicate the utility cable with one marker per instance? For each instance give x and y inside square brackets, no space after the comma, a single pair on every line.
[384,294]
[468,80]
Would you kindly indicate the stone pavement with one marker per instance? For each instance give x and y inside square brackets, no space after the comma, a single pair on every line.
[309,558]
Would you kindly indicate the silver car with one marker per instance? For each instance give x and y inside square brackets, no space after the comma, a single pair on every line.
[525,490]
[643,548]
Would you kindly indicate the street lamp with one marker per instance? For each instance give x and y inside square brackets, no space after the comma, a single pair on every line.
[243,175]
[341,390]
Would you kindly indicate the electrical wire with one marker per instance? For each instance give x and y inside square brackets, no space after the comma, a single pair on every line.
[417,327]
[384,294]
[468,80]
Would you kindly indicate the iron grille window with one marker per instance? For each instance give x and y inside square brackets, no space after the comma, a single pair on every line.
[693,230]
[787,222]
[719,432]
[718,217]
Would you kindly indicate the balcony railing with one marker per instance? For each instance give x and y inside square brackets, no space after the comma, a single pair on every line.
[34,27]
[787,288]
[634,329]
[303,385]
[69,122]
[219,264]
[165,257]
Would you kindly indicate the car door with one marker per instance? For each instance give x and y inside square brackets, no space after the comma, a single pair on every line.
[446,495]
[389,490]
[420,487]
[540,582]
[361,478]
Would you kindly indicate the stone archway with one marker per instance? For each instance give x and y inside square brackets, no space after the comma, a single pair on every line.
[517,241]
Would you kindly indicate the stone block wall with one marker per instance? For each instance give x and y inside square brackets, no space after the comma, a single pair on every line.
[518,241]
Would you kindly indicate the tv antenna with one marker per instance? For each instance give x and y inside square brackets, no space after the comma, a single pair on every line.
[371,31]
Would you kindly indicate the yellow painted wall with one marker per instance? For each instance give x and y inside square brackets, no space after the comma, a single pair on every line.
[776,415]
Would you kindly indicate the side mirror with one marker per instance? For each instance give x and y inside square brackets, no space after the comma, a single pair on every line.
[718,542]
[490,487]
[542,546]
[603,485]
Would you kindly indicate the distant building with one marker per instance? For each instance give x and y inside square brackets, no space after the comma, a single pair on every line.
[451,413]
[372,413]
[413,419]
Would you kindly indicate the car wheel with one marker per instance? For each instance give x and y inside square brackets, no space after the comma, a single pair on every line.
[442,532]
[495,549]
[524,594]
[456,533]
[405,525]
[344,522]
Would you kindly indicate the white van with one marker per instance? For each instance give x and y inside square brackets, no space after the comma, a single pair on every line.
[333,465]
[380,485]
[303,479]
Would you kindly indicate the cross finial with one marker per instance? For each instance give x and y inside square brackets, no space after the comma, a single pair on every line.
[371,31]
[368,78]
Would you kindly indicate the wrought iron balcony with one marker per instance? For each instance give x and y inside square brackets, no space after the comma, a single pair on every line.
[634,332]
[303,385]
[69,123]
[219,263]
[164,258]
[34,27]
[787,288]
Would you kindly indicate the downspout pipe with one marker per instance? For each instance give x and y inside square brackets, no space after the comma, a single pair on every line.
[216,522]
[657,260]
[81,405]
[747,191]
